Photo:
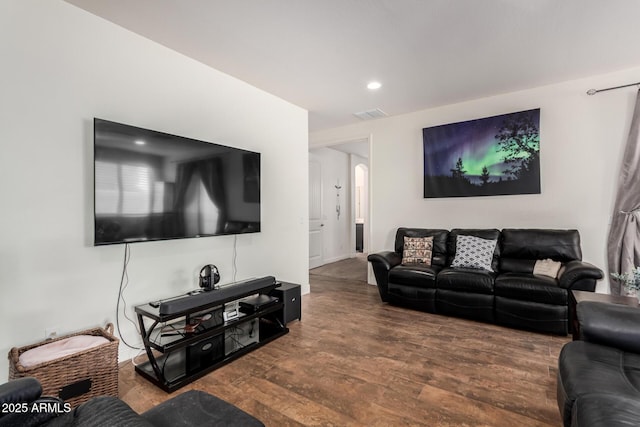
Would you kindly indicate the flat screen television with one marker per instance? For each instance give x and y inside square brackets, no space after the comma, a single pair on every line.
[151,185]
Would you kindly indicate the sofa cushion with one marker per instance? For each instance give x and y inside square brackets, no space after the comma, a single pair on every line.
[584,367]
[471,305]
[516,265]
[417,250]
[423,299]
[25,389]
[533,316]
[547,267]
[466,280]
[527,287]
[605,410]
[101,411]
[417,275]
[559,245]
[474,252]
[197,408]
[31,416]
[614,325]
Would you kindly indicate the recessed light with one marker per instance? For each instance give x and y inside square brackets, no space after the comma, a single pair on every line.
[374,85]
[139,142]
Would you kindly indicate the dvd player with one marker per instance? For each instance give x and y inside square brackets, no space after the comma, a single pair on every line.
[257,303]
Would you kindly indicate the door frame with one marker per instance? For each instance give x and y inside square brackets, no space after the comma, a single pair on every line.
[318,228]
[368,138]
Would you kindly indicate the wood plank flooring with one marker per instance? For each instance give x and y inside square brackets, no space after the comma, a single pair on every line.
[354,361]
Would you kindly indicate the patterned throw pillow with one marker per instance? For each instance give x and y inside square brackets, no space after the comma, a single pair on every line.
[417,250]
[474,252]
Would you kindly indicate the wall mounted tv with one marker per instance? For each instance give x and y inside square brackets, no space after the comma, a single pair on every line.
[150,185]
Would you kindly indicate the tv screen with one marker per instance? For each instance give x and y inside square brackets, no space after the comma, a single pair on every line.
[151,185]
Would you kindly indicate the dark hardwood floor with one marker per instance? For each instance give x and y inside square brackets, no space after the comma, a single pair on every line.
[354,361]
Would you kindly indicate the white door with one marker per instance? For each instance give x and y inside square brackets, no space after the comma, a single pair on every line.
[315,214]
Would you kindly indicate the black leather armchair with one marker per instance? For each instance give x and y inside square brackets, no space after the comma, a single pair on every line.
[23,406]
[599,375]
[410,286]
[531,301]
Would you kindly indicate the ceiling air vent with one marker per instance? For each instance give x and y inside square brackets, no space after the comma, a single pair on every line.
[370,114]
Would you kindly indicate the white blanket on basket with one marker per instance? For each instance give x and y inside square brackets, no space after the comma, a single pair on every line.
[59,349]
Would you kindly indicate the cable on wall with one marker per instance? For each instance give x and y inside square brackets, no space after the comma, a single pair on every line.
[235,256]
[124,281]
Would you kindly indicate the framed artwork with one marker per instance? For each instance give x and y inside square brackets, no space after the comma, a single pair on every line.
[497,155]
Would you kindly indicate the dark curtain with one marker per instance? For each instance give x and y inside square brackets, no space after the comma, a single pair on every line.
[213,181]
[623,245]
[184,174]
[251,166]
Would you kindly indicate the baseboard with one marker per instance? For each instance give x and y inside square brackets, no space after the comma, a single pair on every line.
[336,259]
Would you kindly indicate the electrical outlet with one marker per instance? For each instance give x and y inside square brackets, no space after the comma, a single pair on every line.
[51,333]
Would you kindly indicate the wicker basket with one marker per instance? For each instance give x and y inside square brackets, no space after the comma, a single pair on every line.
[77,377]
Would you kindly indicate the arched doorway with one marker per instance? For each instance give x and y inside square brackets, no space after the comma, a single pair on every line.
[361,207]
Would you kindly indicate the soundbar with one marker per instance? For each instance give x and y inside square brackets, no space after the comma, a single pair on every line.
[224,294]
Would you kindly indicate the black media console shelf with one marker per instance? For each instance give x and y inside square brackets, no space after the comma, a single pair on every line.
[187,337]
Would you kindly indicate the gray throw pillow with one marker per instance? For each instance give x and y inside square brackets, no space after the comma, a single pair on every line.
[474,252]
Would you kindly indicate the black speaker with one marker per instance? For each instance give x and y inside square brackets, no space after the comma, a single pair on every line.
[205,353]
[289,294]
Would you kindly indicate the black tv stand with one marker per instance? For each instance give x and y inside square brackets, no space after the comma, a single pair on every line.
[190,338]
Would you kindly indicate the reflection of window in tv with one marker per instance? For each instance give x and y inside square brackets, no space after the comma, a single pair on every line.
[123,188]
[136,189]
[107,191]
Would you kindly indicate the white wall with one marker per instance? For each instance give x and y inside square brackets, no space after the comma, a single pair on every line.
[62,66]
[581,142]
[336,233]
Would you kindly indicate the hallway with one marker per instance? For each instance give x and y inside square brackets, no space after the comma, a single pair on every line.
[352,269]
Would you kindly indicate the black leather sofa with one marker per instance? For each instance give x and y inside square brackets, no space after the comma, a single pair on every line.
[510,294]
[23,406]
[599,375]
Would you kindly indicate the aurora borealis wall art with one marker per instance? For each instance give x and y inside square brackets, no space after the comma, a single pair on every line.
[497,155]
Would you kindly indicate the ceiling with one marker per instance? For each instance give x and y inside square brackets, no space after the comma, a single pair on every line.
[320,54]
